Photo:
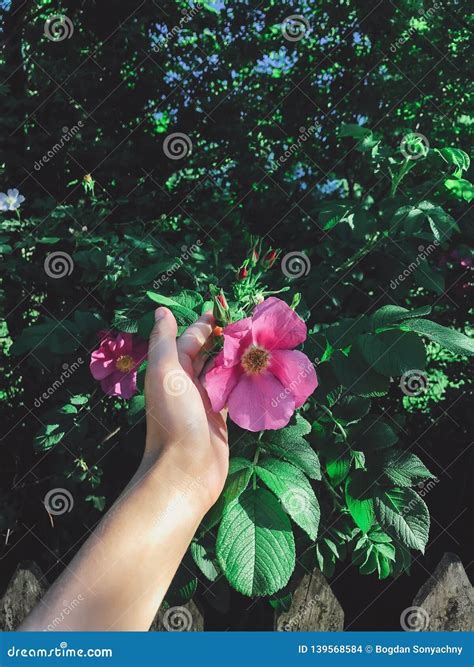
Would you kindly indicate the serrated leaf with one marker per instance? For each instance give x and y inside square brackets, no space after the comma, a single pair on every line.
[294,491]
[358,495]
[356,375]
[351,408]
[457,157]
[338,468]
[255,545]
[372,433]
[403,514]
[289,444]
[182,313]
[240,472]
[392,353]
[451,339]
[390,314]
[204,561]
[404,468]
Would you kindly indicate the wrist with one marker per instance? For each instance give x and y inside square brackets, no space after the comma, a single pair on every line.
[179,479]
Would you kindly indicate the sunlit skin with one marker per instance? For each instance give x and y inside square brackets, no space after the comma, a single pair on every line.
[180,477]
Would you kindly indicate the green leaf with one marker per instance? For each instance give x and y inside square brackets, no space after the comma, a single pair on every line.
[79,399]
[48,437]
[461,188]
[404,515]
[338,468]
[240,472]
[145,325]
[182,313]
[451,339]
[390,315]
[281,602]
[358,493]
[204,560]
[325,556]
[372,433]
[457,157]
[289,444]
[351,408]
[392,353]
[353,130]
[97,501]
[136,408]
[255,545]
[294,491]
[404,468]
[354,373]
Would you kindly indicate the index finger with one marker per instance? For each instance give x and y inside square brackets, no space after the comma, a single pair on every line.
[193,338]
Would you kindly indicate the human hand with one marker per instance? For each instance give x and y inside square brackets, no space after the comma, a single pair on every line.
[181,426]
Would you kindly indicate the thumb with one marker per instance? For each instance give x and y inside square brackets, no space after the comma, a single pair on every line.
[162,344]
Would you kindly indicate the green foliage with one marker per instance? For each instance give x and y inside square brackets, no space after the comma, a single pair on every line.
[375,198]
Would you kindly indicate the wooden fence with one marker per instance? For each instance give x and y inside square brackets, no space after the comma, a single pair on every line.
[444,602]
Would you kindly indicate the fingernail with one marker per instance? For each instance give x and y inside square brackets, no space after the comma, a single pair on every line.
[159,313]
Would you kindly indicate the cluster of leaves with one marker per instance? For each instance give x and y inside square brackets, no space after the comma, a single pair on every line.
[341,481]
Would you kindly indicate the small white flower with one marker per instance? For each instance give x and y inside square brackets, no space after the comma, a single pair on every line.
[11,201]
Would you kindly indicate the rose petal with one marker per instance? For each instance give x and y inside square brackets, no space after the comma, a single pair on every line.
[296,373]
[237,337]
[254,403]
[276,326]
[219,382]
[101,365]
[120,384]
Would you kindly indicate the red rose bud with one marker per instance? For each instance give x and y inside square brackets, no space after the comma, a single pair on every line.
[221,298]
[243,273]
[254,257]
[221,309]
[270,258]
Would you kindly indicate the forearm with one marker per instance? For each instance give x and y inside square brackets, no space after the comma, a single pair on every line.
[121,574]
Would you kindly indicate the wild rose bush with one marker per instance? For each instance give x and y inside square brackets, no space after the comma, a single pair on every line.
[364,236]
[317,473]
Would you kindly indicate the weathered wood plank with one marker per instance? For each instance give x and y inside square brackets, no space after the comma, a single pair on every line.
[444,602]
[314,607]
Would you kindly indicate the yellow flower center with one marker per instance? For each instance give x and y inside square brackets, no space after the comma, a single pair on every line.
[255,360]
[125,363]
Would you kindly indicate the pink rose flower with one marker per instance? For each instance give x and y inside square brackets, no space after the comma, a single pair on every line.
[257,374]
[116,362]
